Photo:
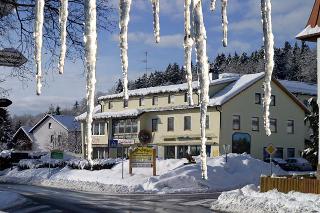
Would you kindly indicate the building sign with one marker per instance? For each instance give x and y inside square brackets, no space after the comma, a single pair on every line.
[10,57]
[126,141]
[143,157]
[56,154]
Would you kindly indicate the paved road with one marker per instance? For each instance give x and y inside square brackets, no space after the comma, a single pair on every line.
[45,199]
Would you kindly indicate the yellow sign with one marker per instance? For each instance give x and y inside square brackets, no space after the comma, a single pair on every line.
[271,149]
[143,157]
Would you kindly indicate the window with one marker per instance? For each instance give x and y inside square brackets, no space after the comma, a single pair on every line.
[98,128]
[170,99]
[50,125]
[52,141]
[182,151]
[110,105]
[273,125]
[207,122]
[169,152]
[257,98]
[125,103]
[141,101]
[154,124]
[155,100]
[279,153]
[195,150]
[255,124]
[170,124]
[241,143]
[236,122]
[273,100]
[290,153]
[59,139]
[187,122]
[125,126]
[186,97]
[290,126]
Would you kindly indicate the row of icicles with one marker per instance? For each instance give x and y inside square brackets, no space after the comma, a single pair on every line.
[195,35]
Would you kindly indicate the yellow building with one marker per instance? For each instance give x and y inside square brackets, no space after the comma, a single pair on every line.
[235,118]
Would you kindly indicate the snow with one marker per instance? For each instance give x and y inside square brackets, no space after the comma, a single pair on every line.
[10,199]
[173,176]
[200,38]
[234,88]
[156,22]
[309,31]
[224,22]
[300,87]
[166,89]
[269,62]
[5,154]
[39,12]
[249,199]
[188,43]
[124,11]
[97,109]
[90,39]
[63,16]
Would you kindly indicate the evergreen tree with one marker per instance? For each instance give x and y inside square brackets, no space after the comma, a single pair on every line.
[57,111]
[5,129]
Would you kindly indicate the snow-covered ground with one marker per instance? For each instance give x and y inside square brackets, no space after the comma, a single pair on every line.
[10,199]
[173,176]
[249,199]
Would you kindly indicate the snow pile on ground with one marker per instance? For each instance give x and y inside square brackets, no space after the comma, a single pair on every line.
[10,199]
[249,199]
[173,176]
[5,154]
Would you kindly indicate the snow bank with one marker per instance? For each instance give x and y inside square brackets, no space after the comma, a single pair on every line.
[249,199]
[173,176]
[5,154]
[10,199]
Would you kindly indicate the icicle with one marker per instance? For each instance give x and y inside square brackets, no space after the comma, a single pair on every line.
[156,23]
[63,16]
[90,39]
[124,7]
[269,63]
[202,62]
[224,4]
[213,5]
[188,43]
[39,10]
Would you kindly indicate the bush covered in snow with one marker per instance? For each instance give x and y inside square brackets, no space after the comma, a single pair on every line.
[97,164]
[40,163]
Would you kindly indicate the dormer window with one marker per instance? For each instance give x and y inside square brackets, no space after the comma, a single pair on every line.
[155,100]
[170,99]
[141,101]
[110,105]
[125,103]
[50,126]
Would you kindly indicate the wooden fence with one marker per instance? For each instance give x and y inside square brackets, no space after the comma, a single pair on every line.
[283,184]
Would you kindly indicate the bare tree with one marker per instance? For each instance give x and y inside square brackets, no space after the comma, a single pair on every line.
[16,31]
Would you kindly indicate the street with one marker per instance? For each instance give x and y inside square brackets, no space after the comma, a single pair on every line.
[45,199]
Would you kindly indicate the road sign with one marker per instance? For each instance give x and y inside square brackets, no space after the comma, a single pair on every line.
[56,154]
[126,141]
[271,149]
[11,57]
[113,143]
[4,102]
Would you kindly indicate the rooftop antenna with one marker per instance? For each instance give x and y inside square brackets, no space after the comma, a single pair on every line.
[146,62]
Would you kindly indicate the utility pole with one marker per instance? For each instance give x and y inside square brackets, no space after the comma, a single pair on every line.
[146,62]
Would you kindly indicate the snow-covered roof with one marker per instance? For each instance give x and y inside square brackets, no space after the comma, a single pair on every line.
[97,109]
[166,89]
[300,87]
[309,32]
[26,130]
[67,121]
[234,88]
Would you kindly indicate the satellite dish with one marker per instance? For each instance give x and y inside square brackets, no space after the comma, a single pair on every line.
[4,102]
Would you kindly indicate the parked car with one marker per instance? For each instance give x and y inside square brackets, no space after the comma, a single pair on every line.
[280,162]
[298,164]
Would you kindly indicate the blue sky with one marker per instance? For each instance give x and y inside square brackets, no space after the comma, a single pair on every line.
[245,34]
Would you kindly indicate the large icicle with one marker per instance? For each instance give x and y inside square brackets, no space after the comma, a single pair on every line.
[39,12]
[124,7]
[224,4]
[202,62]
[188,43]
[156,22]
[63,16]
[269,63]
[213,5]
[90,39]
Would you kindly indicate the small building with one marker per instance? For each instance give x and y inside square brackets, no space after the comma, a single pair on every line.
[51,132]
[235,118]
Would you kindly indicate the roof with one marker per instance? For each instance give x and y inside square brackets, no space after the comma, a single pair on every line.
[312,30]
[167,89]
[26,130]
[300,87]
[66,121]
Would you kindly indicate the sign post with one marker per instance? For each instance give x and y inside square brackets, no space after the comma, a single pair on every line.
[226,150]
[124,142]
[271,149]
